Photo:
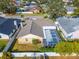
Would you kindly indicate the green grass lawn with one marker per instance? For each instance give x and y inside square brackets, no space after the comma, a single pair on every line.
[3,43]
[26,47]
[48,49]
[31,47]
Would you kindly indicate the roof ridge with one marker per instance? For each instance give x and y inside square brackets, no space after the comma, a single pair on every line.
[31,25]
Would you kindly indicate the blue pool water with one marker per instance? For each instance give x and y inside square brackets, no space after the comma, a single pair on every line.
[51,37]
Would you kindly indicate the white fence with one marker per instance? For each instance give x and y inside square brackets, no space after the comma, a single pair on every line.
[36,54]
[32,54]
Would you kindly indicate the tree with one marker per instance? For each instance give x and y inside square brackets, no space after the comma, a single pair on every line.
[76,12]
[7,6]
[10,9]
[6,55]
[76,3]
[67,47]
[41,1]
[56,8]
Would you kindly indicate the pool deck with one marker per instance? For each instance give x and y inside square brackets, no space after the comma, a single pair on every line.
[51,37]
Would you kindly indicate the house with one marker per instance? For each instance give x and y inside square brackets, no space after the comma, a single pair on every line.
[69,27]
[67,1]
[29,8]
[35,29]
[8,26]
[17,2]
[70,9]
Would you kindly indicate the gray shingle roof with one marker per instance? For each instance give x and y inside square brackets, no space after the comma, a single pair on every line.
[69,24]
[35,27]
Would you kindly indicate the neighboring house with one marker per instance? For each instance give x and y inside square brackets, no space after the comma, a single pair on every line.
[8,26]
[69,26]
[34,29]
[67,1]
[29,8]
[70,9]
[17,2]
[35,9]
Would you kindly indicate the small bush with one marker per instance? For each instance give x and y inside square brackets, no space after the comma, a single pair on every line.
[60,34]
[36,41]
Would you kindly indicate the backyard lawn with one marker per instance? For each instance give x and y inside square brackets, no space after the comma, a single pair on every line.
[31,48]
[3,43]
[26,47]
[48,49]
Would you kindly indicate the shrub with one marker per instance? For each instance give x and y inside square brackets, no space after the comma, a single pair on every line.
[67,48]
[36,41]
[6,55]
[60,34]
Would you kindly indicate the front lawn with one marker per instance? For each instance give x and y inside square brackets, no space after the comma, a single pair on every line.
[3,43]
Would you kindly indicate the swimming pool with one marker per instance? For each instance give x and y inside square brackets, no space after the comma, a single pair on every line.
[51,37]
